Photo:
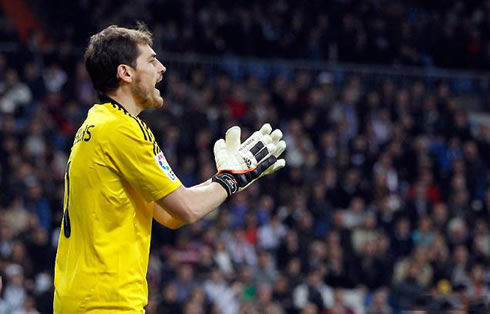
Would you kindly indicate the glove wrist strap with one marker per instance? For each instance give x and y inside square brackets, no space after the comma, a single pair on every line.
[227,181]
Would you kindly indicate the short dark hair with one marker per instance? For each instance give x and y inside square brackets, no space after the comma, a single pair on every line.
[108,49]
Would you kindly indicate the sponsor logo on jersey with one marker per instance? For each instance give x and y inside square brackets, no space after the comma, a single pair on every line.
[162,162]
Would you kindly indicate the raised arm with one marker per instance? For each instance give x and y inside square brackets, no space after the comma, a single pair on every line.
[239,165]
[187,205]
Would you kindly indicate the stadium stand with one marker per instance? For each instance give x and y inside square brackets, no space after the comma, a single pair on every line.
[384,204]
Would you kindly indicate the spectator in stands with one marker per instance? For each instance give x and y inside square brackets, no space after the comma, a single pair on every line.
[313,290]
[379,304]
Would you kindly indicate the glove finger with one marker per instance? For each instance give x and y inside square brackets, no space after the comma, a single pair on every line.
[276,166]
[267,139]
[251,142]
[265,152]
[266,129]
[276,135]
[265,164]
[219,146]
[233,138]
[280,148]
[258,147]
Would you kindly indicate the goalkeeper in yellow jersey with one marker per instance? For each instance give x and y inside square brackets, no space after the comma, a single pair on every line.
[117,180]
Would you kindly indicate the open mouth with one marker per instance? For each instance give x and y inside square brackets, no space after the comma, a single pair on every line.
[157,84]
[159,80]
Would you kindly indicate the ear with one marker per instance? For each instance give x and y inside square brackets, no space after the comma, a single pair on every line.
[125,73]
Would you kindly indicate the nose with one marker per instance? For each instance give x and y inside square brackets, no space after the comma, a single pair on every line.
[163,69]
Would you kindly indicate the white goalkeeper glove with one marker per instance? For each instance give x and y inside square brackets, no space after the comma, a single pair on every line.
[240,164]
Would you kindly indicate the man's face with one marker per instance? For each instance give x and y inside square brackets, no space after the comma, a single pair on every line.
[149,71]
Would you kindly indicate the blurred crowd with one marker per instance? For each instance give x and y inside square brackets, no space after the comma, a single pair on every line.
[385,201]
[444,33]
[384,204]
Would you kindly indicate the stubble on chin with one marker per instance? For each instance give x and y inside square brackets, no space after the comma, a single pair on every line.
[159,102]
[144,97]
[148,97]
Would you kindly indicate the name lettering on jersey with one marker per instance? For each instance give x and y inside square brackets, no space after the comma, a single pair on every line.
[162,162]
[83,134]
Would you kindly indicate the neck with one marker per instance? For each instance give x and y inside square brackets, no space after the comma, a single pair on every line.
[125,98]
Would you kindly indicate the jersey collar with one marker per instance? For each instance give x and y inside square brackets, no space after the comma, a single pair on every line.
[106,99]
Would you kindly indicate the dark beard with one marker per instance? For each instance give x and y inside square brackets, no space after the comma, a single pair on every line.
[143,96]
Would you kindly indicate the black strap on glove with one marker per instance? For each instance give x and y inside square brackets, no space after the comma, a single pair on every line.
[234,181]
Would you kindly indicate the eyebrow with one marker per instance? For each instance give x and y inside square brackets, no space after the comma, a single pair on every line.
[153,55]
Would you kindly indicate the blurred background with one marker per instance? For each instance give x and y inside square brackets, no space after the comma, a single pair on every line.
[384,206]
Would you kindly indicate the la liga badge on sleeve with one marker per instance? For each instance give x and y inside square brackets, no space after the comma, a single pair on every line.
[162,162]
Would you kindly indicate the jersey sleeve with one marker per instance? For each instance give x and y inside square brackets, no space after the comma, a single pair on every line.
[139,161]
